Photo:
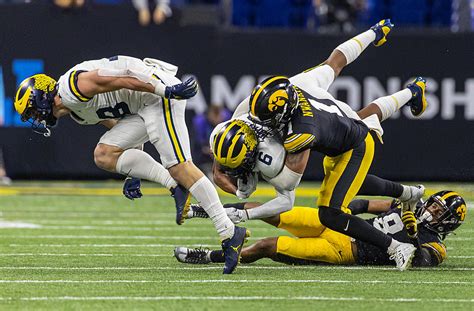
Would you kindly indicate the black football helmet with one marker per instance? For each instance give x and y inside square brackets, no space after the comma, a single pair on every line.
[443,212]
[273,101]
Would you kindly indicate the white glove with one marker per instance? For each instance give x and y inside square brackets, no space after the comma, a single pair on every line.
[237,215]
[244,190]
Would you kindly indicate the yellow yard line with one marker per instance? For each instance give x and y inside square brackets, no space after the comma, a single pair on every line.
[264,191]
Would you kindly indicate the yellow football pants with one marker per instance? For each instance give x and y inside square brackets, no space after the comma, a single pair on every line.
[344,175]
[312,240]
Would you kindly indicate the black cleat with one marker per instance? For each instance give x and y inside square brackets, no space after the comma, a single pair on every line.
[418,101]
[232,248]
[182,199]
[196,211]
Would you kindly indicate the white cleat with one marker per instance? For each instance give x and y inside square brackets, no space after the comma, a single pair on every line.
[192,255]
[403,255]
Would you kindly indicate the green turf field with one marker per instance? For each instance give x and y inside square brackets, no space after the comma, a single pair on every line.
[85,247]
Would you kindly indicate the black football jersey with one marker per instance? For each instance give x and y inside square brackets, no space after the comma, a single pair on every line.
[323,125]
[391,224]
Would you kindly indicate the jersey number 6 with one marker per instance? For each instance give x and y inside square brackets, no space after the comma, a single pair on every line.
[265,158]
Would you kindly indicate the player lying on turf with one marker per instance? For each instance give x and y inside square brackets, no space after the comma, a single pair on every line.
[307,118]
[313,243]
[140,101]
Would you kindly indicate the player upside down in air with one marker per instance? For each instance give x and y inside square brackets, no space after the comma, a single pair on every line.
[139,101]
[313,243]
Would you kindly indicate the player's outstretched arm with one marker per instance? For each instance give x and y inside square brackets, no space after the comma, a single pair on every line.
[92,83]
[348,51]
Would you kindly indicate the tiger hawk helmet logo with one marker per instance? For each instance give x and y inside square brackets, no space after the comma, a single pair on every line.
[273,102]
[277,99]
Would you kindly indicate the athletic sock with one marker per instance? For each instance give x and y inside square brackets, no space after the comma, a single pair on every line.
[390,104]
[216,256]
[206,195]
[374,185]
[139,164]
[353,226]
[354,47]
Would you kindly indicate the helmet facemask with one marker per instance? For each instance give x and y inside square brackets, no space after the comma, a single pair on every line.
[34,101]
[440,216]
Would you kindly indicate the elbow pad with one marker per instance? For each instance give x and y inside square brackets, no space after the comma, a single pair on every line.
[286,180]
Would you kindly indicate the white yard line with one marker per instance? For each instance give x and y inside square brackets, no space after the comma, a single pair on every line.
[82,255]
[111,237]
[122,254]
[218,267]
[244,298]
[220,281]
[108,245]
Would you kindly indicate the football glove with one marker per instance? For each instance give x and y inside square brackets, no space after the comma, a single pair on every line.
[409,220]
[246,186]
[131,188]
[237,215]
[184,90]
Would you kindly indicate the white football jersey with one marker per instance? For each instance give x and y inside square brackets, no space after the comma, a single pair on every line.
[109,105]
[271,154]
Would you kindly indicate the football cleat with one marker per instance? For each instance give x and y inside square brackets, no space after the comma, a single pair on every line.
[418,101]
[196,211]
[182,199]
[194,256]
[382,29]
[403,255]
[232,248]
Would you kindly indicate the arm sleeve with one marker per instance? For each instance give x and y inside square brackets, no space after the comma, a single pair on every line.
[359,206]
[286,180]
[282,203]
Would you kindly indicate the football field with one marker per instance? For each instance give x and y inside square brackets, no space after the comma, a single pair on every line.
[83,246]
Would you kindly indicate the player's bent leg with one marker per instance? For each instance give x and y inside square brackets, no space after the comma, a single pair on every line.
[301,222]
[314,250]
[265,248]
[384,107]
[106,156]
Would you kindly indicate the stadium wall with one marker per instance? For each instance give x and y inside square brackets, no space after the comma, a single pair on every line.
[227,64]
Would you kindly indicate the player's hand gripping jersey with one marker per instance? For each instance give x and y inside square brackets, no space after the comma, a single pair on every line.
[115,104]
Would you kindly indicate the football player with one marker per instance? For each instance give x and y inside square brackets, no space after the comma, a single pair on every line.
[309,118]
[313,243]
[139,100]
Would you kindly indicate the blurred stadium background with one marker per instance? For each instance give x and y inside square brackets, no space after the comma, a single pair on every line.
[228,45]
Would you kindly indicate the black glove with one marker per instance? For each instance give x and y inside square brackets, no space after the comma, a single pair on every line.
[184,90]
[131,188]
